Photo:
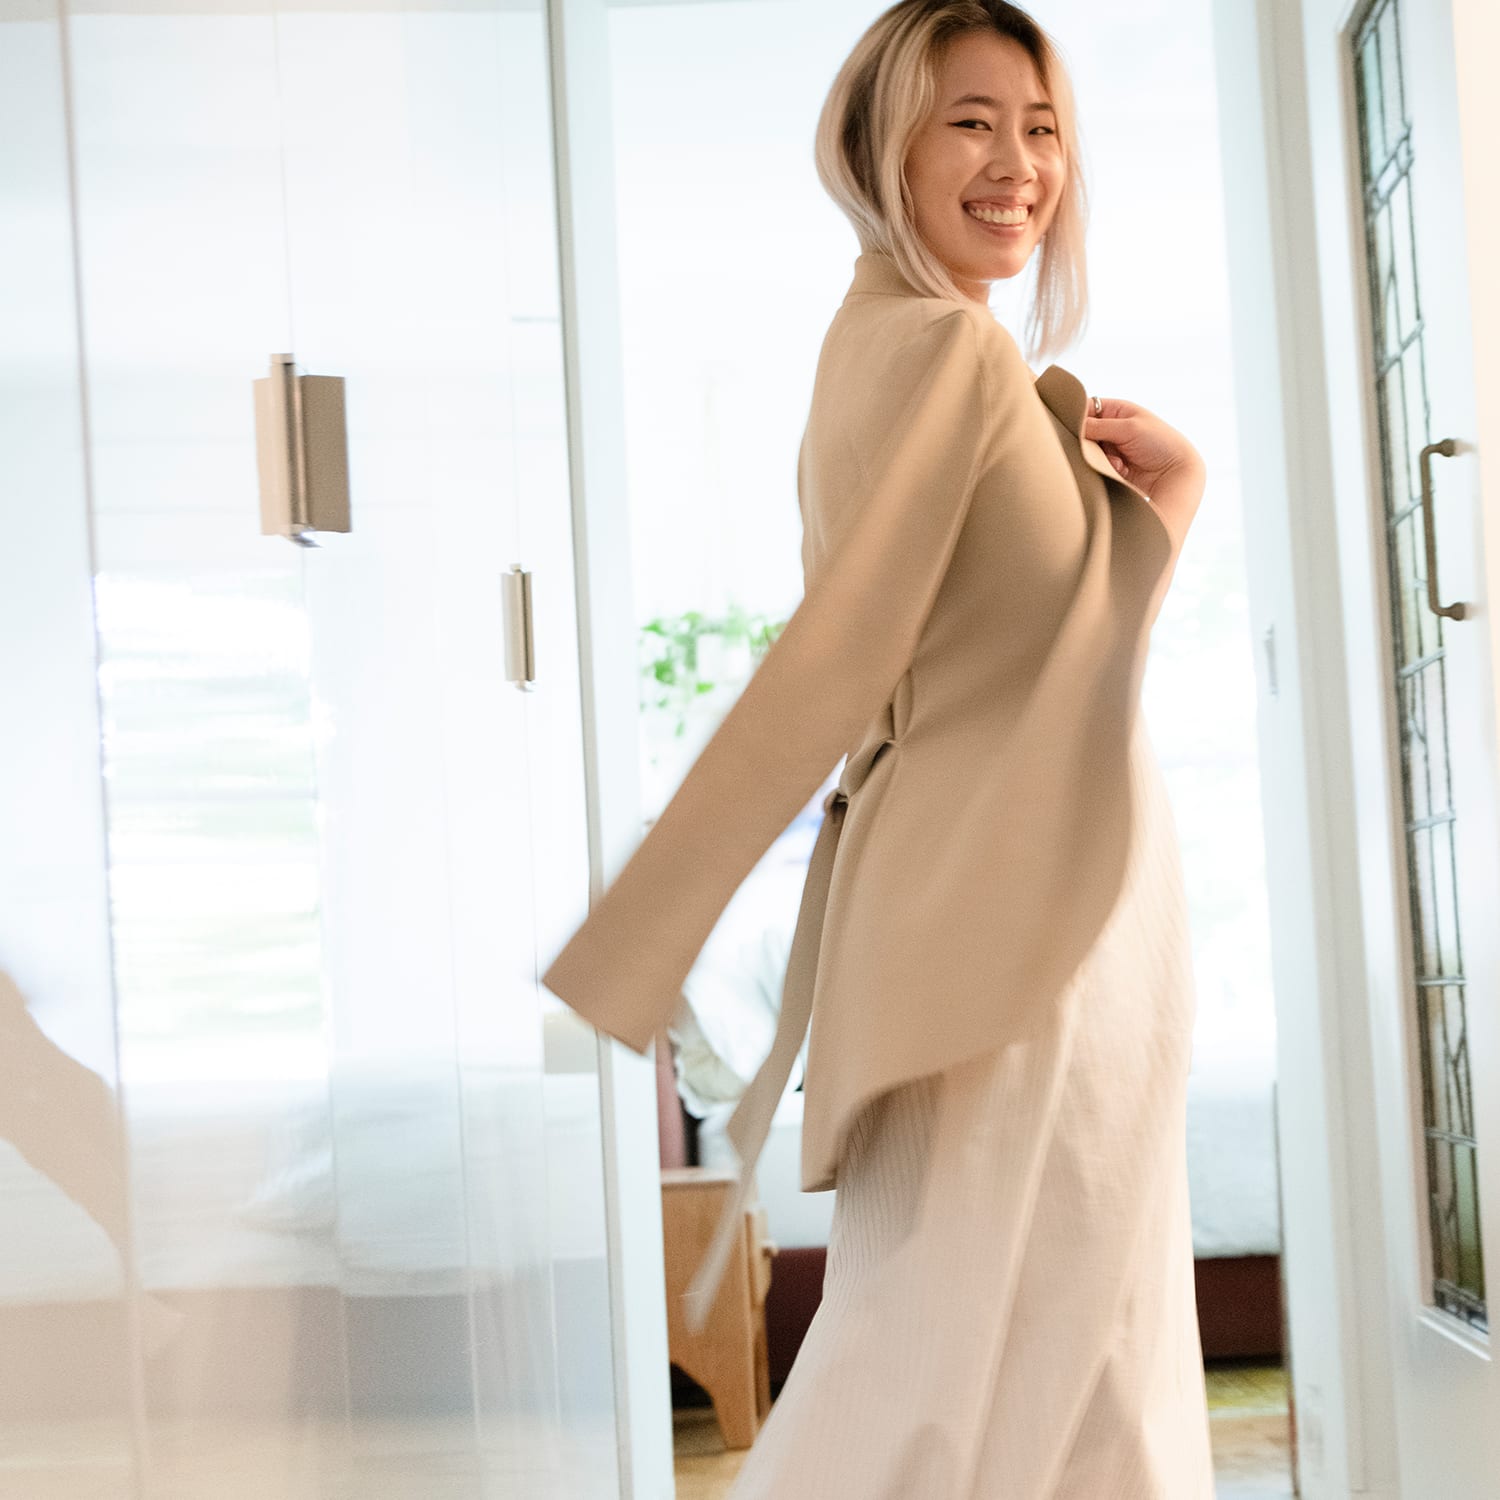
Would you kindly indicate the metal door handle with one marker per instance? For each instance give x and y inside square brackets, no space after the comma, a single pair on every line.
[302,452]
[1448,447]
[520,651]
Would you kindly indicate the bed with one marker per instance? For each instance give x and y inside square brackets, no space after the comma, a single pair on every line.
[305,1240]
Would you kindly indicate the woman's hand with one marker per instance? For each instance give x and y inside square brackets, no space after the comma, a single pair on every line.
[1156,459]
[1143,448]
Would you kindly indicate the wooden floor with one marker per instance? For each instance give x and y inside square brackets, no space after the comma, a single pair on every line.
[436,1459]
[1248,1419]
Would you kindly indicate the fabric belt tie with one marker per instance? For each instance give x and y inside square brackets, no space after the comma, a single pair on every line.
[751,1121]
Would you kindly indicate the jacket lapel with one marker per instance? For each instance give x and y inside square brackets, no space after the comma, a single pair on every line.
[1066,398]
[876,272]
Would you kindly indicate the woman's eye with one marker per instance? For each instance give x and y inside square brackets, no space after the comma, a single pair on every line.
[1047,128]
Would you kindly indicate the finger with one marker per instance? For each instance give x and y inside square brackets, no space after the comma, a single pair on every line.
[1107,427]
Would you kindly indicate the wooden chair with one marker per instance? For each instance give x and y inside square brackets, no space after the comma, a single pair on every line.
[729,1357]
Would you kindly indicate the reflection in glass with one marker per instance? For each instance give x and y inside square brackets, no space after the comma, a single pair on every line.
[335,1227]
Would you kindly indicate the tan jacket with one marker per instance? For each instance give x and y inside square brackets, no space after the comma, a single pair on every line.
[979,591]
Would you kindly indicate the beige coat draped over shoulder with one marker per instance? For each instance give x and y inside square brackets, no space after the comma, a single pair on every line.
[979,591]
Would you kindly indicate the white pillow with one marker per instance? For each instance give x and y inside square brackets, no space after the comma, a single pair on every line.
[731,998]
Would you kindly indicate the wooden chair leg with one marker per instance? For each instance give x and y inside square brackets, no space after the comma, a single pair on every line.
[729,1358]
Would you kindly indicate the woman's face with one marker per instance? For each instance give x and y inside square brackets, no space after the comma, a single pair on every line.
[998,153]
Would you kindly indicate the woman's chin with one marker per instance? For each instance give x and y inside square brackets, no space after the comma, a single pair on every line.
[995,262]
[1012,267]
[995,267]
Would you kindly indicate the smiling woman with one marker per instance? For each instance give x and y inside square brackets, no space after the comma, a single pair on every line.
[963,108]
[986,188]
[718,408]
[991,946]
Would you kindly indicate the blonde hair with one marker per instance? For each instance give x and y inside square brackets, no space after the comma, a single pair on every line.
[883,95]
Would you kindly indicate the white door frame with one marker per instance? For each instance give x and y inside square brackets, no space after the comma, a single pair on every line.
[1333,1266]
[1334,1236]
[578,46]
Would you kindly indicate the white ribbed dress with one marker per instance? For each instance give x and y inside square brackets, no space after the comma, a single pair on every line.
[1008,1310]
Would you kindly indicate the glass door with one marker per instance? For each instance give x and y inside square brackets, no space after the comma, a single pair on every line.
[357,1242]
[1385,149]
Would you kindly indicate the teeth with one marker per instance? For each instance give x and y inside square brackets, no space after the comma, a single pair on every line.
[999,215]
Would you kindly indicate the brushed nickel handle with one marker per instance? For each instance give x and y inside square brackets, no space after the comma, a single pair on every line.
[301,452]
[1448,447]
[520,647]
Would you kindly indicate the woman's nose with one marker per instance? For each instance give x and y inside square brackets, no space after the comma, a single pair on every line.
[1010,157]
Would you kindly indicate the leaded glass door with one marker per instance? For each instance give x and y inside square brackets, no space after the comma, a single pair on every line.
[1388,163]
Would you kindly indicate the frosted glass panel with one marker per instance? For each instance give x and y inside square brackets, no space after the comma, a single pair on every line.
[66,1365]
[365,1206]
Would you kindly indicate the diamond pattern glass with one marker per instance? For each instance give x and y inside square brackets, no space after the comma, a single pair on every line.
[1398,389]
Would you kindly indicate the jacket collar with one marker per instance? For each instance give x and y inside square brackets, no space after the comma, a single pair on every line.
[877,274]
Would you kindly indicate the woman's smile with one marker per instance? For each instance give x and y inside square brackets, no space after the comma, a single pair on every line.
[1007,223]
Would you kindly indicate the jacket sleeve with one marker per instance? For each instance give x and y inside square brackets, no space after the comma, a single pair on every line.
[837,661]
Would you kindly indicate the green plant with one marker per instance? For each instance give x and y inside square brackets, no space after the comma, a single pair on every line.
[671,679]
